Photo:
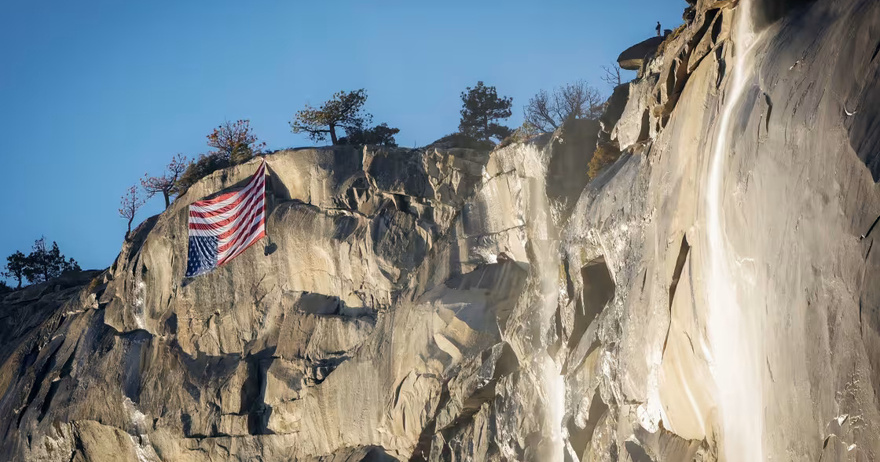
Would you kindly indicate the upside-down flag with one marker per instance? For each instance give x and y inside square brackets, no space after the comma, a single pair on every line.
[223,227]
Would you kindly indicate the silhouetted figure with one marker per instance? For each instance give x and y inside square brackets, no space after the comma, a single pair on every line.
[658,28]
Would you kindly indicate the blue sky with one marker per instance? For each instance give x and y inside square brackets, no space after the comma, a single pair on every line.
[95,94]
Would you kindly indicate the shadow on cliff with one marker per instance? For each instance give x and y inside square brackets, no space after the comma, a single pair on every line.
[767,12]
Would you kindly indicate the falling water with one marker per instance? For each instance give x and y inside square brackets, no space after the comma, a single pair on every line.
[544,299]
[734,332]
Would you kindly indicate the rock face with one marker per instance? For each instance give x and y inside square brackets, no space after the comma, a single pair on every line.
[713,295]
[633,57]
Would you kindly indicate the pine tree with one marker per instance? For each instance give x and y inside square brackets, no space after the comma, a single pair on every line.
[481,109]
[15,265]
[344,110]
[44,263]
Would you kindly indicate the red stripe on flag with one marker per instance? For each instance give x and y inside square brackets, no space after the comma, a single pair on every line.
[241,212]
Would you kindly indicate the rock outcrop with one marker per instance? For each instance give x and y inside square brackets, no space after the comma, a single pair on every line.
[713,295]
[634,57]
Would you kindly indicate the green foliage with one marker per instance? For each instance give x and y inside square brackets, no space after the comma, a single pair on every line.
[460,140]
[481,109]
[605,155]
[380,135]
[234,143]
[42,264]
[15,265]
[4,287]
[344,110]
[205,165]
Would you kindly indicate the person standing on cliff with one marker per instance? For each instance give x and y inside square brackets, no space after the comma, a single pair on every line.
[658,28]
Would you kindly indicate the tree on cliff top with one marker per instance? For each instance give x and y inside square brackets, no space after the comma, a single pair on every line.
[578,100]
[44,263]
[481,108]
[129,205]
[344,110]
[15,265]
[165,183]
[234,143]
[380,135]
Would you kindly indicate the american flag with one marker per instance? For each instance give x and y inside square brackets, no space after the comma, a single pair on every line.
[223,227]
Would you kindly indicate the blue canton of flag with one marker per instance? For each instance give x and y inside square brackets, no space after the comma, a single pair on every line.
[202,255]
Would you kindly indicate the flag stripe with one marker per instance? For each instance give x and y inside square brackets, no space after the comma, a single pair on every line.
[226,202]
[246,229]
[234,221]
[251,242]
[225,219]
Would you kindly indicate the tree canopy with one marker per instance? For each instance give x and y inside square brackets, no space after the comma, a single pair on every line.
[129,204]
[43,263]
[547,111]
[15,265]
[344,110]
[165,183]
[380,135]
[233,142]
[481,109]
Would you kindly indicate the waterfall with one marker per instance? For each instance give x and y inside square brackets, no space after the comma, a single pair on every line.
[734,330]
[543,298]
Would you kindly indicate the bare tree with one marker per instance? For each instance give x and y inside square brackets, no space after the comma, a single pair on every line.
[165,183]
[547,111]
[129,205]
[612,74]
[541,112]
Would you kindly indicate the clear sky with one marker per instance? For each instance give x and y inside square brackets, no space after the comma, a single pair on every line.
[95,94]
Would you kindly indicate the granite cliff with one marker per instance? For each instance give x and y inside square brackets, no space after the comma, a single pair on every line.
[712,295]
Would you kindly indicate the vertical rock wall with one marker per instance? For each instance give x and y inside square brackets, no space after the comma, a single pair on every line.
[449,304]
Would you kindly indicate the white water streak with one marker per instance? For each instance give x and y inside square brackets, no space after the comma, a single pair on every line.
[734,330]
[542,231]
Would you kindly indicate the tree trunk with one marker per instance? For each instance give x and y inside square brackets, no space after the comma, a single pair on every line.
[167,199]
[19,281]
[333,134]
[128,233]
[486,129]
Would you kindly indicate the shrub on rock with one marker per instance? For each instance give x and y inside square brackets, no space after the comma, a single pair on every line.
[605,155]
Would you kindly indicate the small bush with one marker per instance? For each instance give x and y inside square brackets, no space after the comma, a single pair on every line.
[605,155]
[669,38]
[380,135]
[235,143]
[94,283]
[205,165]
[460,140]
[522,134]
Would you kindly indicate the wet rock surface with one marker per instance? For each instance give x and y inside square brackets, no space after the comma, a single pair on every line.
[455,304]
